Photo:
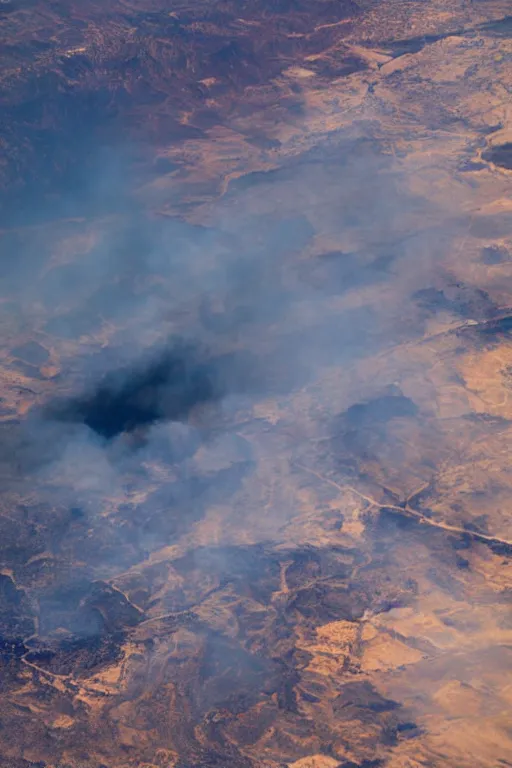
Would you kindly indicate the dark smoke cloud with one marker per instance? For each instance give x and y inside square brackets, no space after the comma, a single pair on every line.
[165,389]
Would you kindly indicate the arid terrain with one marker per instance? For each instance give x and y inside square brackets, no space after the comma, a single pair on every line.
[255,384]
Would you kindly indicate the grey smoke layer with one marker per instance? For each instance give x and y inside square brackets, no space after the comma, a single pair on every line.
[167,335]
